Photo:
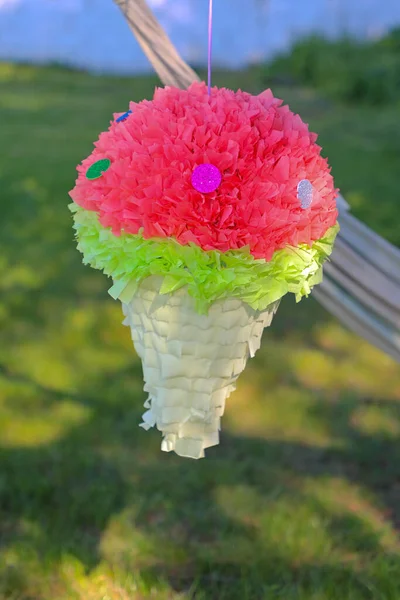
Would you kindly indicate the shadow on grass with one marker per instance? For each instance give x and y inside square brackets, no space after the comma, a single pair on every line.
[275,511]
[100,490]
[209,522]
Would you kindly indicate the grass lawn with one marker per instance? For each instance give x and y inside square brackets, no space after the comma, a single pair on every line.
[301,501]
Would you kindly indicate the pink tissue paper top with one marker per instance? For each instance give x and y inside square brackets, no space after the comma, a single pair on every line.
[259,149]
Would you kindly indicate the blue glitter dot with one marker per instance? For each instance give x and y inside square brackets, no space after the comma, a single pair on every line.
[124,116]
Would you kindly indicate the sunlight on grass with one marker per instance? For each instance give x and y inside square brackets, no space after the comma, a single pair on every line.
[123,543]
[324,522]
[114,584]
[15,72]
[23,424]
[25,576]
[357,521]
[299,502]
[346,363]
[61,357]
[279,412]
[20,275]
[285,521]
[376,420]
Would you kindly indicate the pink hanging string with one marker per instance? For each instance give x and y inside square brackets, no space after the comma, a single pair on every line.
[210,30]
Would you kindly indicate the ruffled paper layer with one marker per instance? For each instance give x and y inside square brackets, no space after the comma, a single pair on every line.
[190,362]
[209,276]
[261,148]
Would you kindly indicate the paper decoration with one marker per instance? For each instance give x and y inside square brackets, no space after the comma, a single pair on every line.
[123,117]
[261,149]
[206,178]
[208,276]
[190,362]
[305,193]
[213,207]
[97,169]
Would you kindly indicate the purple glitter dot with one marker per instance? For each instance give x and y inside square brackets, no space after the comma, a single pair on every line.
[206,178]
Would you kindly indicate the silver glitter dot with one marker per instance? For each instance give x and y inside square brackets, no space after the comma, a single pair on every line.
[305,193]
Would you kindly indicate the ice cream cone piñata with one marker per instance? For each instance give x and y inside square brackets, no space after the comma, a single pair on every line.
[205,211]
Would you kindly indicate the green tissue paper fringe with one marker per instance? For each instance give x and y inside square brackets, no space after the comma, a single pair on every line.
[209,276]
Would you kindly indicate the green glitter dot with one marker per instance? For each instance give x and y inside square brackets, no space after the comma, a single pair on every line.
[97,169]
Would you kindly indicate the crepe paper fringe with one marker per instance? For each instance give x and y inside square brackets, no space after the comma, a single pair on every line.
[261,148]
[190,362]
[209,276]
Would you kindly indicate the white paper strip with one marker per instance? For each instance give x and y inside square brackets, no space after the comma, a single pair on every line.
[190,362]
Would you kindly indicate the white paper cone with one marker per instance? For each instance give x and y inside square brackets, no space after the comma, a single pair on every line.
[190,362]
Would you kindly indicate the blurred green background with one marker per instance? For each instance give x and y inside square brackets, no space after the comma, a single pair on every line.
[301,500]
